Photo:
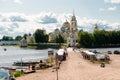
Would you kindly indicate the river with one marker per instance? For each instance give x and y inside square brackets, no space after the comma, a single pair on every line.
[13,54]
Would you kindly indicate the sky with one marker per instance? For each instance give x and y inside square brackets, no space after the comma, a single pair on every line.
[18,17]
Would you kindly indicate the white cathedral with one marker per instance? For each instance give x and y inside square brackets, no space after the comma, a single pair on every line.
[70,31]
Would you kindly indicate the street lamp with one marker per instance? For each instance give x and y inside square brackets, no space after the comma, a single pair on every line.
[56,61]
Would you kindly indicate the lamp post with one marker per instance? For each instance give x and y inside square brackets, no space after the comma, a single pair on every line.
[56,61]
[21,67]
[57,73]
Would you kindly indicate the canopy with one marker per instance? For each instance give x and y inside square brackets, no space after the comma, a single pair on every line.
[100,56]
[61,51]
[89,53]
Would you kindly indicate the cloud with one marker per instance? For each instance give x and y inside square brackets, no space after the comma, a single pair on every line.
[13,17]
[13,1]
[112,8]
[108,9]
[13,24]
[18,1]
[112,1]
[46,18]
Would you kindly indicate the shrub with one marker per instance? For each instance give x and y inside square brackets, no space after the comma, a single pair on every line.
[17,73]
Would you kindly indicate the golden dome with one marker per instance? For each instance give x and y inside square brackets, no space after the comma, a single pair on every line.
[66,24]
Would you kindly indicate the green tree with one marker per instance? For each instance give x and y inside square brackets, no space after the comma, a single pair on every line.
[32,40]
[40,36]
[46,37]
[18,38]
[59,39]
[25,36]
[100,37]
[85,39]
[7,38]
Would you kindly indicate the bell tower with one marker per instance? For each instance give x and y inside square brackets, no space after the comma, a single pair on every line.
[73,26]
[73,35]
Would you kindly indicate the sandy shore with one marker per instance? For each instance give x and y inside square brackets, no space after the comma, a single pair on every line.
[76,68]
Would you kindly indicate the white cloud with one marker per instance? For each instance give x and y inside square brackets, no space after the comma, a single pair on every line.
[112,1]
[4,0]
[13,24]
[112,8]
[18,1]
[108,9]
[14,1]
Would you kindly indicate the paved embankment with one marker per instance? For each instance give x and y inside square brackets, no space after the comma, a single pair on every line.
[76,68]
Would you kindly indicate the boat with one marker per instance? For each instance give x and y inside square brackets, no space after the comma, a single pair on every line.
[5,49]
[24,63]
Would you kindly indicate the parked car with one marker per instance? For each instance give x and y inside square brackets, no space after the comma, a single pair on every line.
[116,52]
[96,52]
[5,74]
[109,52]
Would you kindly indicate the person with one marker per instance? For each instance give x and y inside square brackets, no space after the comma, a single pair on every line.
[64,56]
[33,67]
[73,48]
[40,65]
[102,65]
[56,56]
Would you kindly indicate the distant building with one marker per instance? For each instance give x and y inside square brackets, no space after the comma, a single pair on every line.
[73,33]
[54,34]
[68,30]
[65,30]
[25,40]
[28,37]
[96,28]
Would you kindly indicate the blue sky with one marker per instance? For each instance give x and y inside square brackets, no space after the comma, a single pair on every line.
[21,14]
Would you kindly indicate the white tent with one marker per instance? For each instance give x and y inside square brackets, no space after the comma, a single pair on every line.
[89,53]
[61,51]
[101,56]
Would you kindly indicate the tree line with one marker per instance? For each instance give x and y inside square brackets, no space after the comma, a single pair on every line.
[9,38]
[39,36]
[99,38]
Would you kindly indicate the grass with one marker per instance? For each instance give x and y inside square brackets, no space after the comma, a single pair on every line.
[32,47]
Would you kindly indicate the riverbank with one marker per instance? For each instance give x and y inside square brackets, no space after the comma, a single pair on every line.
[76,68]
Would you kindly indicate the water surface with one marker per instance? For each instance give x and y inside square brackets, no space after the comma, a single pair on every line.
[13,54]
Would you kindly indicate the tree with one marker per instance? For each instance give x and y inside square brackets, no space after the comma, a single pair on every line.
[40,36]
[18,38]
[100,37]
[46,38]
[59,39]
[85,39]
[25,36]
[7,38]
[32,40]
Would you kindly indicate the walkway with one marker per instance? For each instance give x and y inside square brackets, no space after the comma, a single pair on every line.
[76,68]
